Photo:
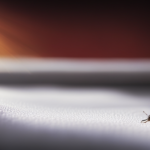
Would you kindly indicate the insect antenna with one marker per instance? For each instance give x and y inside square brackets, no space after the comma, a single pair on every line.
[145,113]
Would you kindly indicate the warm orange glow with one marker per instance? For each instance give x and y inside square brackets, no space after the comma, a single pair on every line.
[104,36]
[14,40]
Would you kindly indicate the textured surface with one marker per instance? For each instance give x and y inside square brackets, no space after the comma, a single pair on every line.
[62,117]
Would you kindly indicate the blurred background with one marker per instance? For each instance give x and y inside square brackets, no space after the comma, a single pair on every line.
[74,75]
[74,30]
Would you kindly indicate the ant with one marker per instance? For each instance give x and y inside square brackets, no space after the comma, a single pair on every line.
[146,120]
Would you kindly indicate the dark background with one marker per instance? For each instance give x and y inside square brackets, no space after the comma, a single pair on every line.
[75,29]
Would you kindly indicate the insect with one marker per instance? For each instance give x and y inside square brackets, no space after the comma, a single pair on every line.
[146,120]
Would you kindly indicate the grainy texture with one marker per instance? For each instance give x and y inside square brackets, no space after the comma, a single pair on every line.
[59,117]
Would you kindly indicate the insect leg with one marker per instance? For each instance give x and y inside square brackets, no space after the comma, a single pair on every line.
[144,121]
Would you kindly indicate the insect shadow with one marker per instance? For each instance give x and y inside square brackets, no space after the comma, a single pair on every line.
[146,120]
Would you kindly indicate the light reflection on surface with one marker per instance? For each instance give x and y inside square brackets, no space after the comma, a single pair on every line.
[97,113]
